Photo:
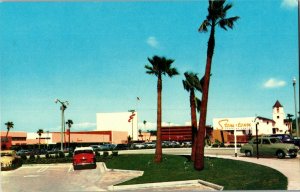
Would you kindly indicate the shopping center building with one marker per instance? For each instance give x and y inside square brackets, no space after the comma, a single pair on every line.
[248,125]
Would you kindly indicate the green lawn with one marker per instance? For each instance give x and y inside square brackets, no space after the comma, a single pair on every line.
[233,175]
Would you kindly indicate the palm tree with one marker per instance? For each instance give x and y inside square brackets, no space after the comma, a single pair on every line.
[160,66]
[39,132]
[69,123]
[217,10]
[9,125]
[190,84]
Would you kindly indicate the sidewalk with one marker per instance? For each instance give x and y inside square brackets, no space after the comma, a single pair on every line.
[289,167]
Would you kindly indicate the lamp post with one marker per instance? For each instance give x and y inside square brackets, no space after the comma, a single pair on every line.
[295,100]
[256,136]
[63,107]
[256,130]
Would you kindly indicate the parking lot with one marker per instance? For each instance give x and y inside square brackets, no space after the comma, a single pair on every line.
[56,177]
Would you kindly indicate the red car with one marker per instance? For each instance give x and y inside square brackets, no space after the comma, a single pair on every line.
[84,157]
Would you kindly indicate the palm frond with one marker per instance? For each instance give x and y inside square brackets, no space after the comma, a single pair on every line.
[228,22]
[198,104]
[204,25]
[172,71]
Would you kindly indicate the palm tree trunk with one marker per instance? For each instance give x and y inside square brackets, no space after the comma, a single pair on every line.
[158,151]
[199,156]
[7,133]
[194,123]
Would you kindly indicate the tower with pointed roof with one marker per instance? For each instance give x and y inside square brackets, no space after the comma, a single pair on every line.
[279,118]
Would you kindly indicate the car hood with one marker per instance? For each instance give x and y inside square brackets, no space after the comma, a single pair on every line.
[5,159]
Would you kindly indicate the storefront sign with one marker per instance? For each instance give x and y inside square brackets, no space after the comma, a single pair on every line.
[233,123]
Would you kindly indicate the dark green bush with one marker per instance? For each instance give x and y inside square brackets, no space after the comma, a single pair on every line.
[23,157]
[61,154]
[105,154]
[215,145]
[70,154]
[31,156]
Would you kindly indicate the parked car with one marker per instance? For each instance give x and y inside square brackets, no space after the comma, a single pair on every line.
[95,147]
[269,146]
[9,158]
[137,146]
[84,157]
[186,144]
[23,152]
[297,141]
[122,147]
[285,138]
[150,145]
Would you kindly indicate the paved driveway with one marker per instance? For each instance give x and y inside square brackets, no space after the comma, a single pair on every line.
[61,177]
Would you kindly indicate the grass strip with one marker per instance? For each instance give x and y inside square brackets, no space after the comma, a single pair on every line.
[232,174]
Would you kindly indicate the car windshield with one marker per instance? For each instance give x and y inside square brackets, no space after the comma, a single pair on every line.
[83,151]
[275,140]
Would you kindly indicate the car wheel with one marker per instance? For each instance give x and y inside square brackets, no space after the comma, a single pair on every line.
[248,153]
[74,167]
[280,154]
[293,156]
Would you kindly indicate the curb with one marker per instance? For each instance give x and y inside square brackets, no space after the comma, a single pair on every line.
[172,184]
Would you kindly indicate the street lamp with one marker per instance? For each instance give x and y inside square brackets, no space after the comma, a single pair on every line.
[256,136]
[295,99]
[63,107]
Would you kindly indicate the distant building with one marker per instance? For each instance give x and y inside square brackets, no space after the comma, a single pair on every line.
[247,125]
[119,122]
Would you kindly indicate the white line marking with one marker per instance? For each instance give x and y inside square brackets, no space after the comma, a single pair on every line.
[42,169]
[31,176]
[71,169]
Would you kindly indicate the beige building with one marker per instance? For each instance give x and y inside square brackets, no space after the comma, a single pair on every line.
[244,125]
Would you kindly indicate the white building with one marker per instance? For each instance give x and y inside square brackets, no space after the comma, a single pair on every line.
[244,125]
[118,122]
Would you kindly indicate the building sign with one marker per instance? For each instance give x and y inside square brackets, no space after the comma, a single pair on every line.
[233,123]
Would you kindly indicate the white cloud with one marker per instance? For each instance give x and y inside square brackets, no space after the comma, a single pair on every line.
[274,83]
[289,3]
[152,42]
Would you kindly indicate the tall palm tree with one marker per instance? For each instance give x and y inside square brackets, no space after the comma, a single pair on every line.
[190,84]
[160,66]
[217,11]
[40,132]
[69,123]
[9,125]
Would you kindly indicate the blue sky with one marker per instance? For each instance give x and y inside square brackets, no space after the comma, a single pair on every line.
[93,54]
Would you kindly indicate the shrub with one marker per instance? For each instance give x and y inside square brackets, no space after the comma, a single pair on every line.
[105,154]
[70,154]
[31,156]
[61,154]
[114,153]
[23,157]
[222,145]
[215,145]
